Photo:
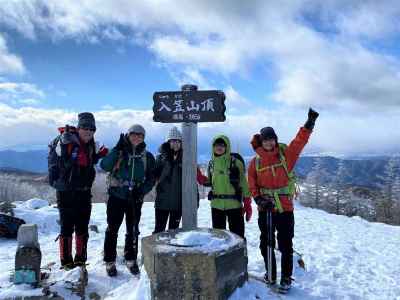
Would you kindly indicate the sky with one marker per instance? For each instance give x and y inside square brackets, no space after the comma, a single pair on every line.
[273,60]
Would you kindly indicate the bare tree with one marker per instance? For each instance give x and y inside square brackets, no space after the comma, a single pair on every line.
[315,191]
[386,206]
[338,192]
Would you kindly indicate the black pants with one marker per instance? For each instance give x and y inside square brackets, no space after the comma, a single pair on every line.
[116,210]
[283,223]
[235,220]
[75,208]
[162,219]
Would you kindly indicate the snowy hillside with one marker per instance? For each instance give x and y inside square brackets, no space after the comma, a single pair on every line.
[346,258]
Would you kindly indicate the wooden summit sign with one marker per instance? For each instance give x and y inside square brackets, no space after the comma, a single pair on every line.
[189,106]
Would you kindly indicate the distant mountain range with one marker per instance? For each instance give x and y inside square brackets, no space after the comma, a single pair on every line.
[32,161]
[361,171]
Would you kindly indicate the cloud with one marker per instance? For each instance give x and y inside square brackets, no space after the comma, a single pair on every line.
[352,135]
[29,101]
[21,92]
[9,63]
[319,54]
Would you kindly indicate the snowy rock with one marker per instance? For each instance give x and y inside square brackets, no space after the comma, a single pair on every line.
[198,264]
[36,203]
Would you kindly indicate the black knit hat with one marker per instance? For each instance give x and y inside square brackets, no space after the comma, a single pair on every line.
[268,133]
[219,141]
[86,120]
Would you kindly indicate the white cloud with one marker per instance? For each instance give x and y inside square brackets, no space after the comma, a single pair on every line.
[9,63]
[343,134]
[20,92]
[317,51]
[30,101]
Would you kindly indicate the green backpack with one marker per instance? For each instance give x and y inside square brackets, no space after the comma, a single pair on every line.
[291,189]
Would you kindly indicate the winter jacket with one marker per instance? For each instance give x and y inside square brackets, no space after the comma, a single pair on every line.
[127,169]
[220,182]
[76,167]
[275,178]
[168,173]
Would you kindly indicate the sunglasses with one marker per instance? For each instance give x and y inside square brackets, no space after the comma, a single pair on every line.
[87,129]
[137,134]
[175,141]
[220,145]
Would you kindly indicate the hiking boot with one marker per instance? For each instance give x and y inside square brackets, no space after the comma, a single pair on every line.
[68,266]
[111,269]
[65,248]
[286,283]
[133,267]
[267,281]
[81,250]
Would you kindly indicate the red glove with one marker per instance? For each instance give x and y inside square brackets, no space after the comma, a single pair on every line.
[201,179]
[247,210]
[103,151]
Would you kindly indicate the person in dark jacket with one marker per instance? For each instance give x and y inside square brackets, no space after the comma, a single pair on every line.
[76,154]
[130,178]
[168,173]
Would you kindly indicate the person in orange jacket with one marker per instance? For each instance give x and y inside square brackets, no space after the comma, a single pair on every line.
[269,184]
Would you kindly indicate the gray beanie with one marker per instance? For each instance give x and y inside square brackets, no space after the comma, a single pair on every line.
[86,120]
[174,134]
[137,129]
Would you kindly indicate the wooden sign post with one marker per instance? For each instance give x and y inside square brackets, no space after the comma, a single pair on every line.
[189,107]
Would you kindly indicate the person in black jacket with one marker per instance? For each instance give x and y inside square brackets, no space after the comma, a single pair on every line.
[168,173]
[72,173]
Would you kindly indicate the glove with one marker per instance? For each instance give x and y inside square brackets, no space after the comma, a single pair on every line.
[66,136]
[121,145]
[259,200]
[312,117]
[247,210]
[201,179]
[103,151]
[264,203]
[210,196]
[138,194]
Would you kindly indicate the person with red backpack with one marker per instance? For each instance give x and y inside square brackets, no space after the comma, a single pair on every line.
[229,195]
[72,157]
[270,178]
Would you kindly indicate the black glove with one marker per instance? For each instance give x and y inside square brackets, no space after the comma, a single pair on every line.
[138,193]
[210,196]
[265,203]
[121,145]
[312,117]
[258,200]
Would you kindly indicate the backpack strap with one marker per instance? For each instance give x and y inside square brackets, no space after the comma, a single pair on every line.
[283,162]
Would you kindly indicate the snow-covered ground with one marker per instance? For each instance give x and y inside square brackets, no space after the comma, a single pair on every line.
[346,258]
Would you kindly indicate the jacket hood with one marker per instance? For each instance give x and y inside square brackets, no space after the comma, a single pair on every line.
[257,146]
[227,142]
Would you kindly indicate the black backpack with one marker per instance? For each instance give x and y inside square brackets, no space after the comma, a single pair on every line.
[54,162]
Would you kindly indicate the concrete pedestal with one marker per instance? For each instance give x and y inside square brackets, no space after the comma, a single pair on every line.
[199,264]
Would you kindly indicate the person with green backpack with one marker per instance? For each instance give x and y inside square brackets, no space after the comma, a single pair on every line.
[130,170]
[229,195]
[272,184]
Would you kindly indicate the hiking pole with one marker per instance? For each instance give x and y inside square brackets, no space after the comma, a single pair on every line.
[270,248]
[132,198]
